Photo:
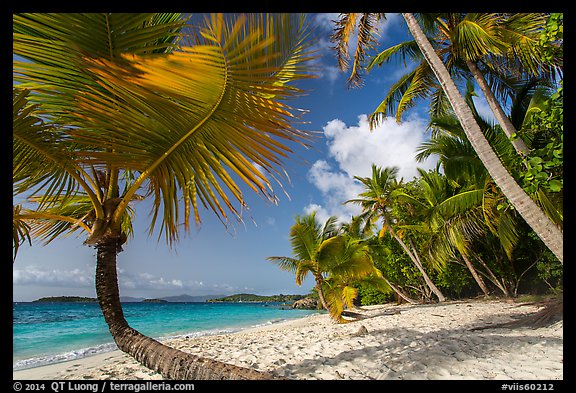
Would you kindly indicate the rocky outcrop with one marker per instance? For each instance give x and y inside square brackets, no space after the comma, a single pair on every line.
[306,304]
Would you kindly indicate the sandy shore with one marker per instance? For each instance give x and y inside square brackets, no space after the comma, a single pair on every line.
[400,342]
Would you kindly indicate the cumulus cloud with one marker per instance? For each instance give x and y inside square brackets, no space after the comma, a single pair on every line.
[34,275]
[143,280]
[84,278]
[354,149]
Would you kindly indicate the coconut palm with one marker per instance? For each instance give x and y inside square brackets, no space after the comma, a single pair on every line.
[137,106]
[550,234]
[501,46]
[362,227]
[449,216]
[376,201]
[334,259]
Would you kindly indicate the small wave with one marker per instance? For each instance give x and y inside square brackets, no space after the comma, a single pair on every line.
[62,357]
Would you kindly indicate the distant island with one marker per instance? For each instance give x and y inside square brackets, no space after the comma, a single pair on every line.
[154,301]
[238,298]
[249,297]
[66,299]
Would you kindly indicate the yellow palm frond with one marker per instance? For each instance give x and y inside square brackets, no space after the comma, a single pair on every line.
[194,123]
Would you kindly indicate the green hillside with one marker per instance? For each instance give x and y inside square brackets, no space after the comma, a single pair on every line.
[249,297]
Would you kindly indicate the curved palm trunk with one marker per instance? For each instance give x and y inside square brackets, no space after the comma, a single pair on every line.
[496,108]
[169,362]
[321,293]
[476,276]
[550,234]
[400,293]
[414,258]
[492,277]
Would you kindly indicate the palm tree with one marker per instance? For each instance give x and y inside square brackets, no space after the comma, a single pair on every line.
[125,103]
[361,227]
[334,259]
[550,234]
[376,201]
[502,46]
[449,217]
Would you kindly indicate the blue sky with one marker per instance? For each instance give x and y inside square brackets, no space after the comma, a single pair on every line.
[212,260]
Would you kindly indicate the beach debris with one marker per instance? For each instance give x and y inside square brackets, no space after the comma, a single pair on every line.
[360,332]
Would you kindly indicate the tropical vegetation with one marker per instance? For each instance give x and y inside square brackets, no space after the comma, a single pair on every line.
[334,257]
[456,230]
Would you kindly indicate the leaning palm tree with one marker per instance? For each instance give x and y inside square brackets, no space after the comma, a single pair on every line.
[376,201]
[334,259]
[449,217]
[544,228]
[362,228]
[501,46]
[123,107]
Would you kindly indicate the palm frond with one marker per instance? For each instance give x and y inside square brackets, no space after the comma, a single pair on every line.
[285,263]
[407,50]
[192,121]
[476,35]
[41,157]
[365,25]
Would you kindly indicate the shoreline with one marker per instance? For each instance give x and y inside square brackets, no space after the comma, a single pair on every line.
[430,341]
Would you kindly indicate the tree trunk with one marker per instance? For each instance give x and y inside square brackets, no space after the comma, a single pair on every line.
[169,362]
[416,261]
[474,273]
[550,234]
[493,277]
[321,294]
[499,114]
[400,293]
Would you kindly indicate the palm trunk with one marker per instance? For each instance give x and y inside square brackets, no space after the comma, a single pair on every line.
[321,293]
[550,234]
[400,293]
[169,362]
[474,273]
[499,114]
[416,261]
[493,278]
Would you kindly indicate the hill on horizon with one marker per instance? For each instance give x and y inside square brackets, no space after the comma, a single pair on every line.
[241,297]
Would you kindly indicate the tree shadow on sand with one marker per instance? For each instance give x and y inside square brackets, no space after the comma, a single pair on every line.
[400,352]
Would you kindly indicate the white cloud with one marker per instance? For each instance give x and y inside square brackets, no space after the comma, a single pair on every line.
[34,275]
[354,149]
[149,281]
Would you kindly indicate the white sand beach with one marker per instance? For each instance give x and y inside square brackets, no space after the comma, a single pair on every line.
[399,343]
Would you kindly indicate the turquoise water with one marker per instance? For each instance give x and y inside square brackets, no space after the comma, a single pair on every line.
[45,333]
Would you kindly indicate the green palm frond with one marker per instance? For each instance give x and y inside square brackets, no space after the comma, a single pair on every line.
[305,238]
[388,106]
[500,222]
[335,297]
[285,263]
[476,35]
[191,121]
[407,50]
[419,88]
[41,157]
[523,30]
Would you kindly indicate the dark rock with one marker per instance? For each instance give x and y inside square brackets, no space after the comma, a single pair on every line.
[306,304]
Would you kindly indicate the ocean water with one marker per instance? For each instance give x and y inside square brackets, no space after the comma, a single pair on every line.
[45,333]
